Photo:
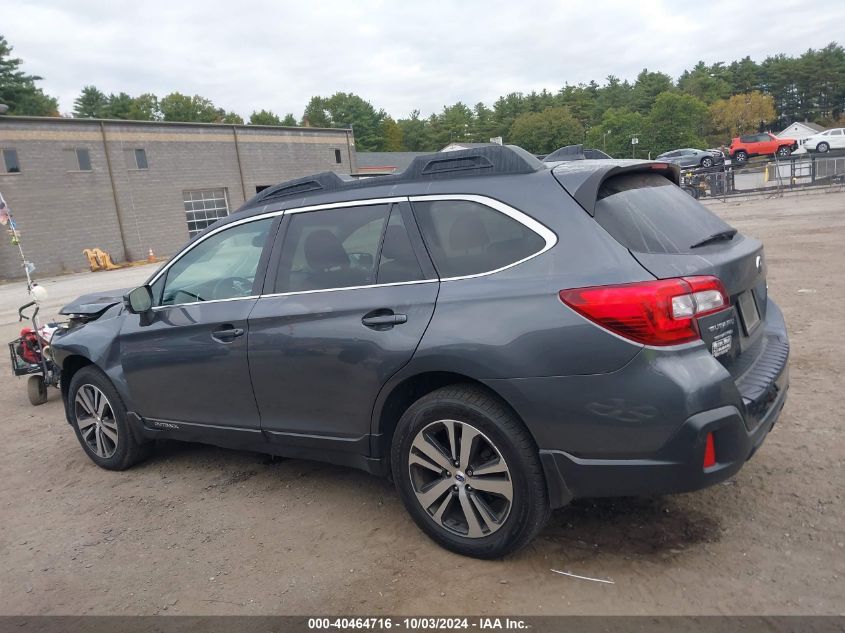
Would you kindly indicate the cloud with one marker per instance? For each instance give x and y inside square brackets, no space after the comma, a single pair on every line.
[398,55]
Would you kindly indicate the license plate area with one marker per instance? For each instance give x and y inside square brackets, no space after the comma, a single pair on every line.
[720,332]
[748,312]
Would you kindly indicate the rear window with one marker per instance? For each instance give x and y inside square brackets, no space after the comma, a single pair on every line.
[647,213]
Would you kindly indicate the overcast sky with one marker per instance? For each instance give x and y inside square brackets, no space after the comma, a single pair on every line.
[399,55]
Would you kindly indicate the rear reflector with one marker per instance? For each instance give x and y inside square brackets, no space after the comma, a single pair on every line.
[709,452]
[660,312]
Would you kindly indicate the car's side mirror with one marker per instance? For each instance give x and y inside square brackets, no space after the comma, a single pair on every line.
[139,300]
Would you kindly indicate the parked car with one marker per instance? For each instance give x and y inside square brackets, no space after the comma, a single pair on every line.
[825,141]
[764,144]
[500,335]
[690,157]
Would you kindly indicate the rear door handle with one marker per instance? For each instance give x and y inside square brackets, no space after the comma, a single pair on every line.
[381,319]
[227,333]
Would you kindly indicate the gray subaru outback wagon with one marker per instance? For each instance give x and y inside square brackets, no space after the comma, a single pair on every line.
[498,334]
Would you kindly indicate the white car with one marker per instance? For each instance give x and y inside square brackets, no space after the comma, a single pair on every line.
[825,141]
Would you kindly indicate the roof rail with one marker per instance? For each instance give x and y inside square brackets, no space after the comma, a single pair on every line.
[325,181]
[478,161]
[488,159]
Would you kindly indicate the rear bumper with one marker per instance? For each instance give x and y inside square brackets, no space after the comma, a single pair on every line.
[677,467]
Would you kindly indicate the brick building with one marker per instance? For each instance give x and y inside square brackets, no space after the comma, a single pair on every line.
[130,186]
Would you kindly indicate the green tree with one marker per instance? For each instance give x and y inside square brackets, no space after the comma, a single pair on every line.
[264,117]
[118,106]
[345,109]
[90,104]
[392,135]
[18,89]
[614,94]
[289,120]
[676,120]
[179,107]
[614,131]
[415,133]
[647,87]
[232,118]
[544,132]
[144,107]
[454,124]
[483,123]
[705,83]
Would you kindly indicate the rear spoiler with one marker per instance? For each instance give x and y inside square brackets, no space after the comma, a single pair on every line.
[583,179]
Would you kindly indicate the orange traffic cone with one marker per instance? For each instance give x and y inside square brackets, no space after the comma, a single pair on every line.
[151,257]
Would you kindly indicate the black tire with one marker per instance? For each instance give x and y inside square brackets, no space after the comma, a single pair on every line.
[822,148]
[741,157]
[127,450]
[707,162]
[36,390]
[783,151]
[469,405]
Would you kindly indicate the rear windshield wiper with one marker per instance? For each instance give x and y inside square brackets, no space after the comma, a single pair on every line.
[716,237]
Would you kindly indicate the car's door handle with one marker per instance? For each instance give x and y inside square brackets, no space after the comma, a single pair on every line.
[227,333]
[383,319]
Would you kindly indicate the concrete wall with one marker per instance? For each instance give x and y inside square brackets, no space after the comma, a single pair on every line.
[60,211]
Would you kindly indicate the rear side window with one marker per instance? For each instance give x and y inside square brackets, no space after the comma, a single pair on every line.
[647,213]
[468,238]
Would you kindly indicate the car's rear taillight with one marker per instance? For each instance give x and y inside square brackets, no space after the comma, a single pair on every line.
[660,312]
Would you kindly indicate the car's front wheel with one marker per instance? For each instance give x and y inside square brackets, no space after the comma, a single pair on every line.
[469,473]
[99,420]
[741,157]
[707,162]
[823,148]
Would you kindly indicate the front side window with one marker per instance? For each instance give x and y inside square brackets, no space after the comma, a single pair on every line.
[836,133]
[331,248]
[469,238]
[204,207]
[222,266]
[10,164]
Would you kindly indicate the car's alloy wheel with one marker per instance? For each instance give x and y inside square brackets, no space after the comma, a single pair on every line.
[783,151]
[460,478]
[823,148]
[96,421]
[741,157]
[706,162]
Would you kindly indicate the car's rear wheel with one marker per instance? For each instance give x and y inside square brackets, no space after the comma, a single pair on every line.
[783,151]
[99,420]
[469,473]
[741,157]
[707,162]
[822,148]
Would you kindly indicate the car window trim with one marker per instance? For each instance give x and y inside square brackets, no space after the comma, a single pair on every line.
[549,236]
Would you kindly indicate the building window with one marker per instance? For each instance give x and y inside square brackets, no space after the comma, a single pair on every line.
[337,157]
[10,164]
[141,159]
[77,159]
[204,207]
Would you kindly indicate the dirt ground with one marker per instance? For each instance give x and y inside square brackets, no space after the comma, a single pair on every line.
[201,530]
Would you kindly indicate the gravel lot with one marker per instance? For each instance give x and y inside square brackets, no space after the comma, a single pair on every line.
[201,530]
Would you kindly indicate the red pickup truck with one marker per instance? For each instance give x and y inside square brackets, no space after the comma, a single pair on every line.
[764,144]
